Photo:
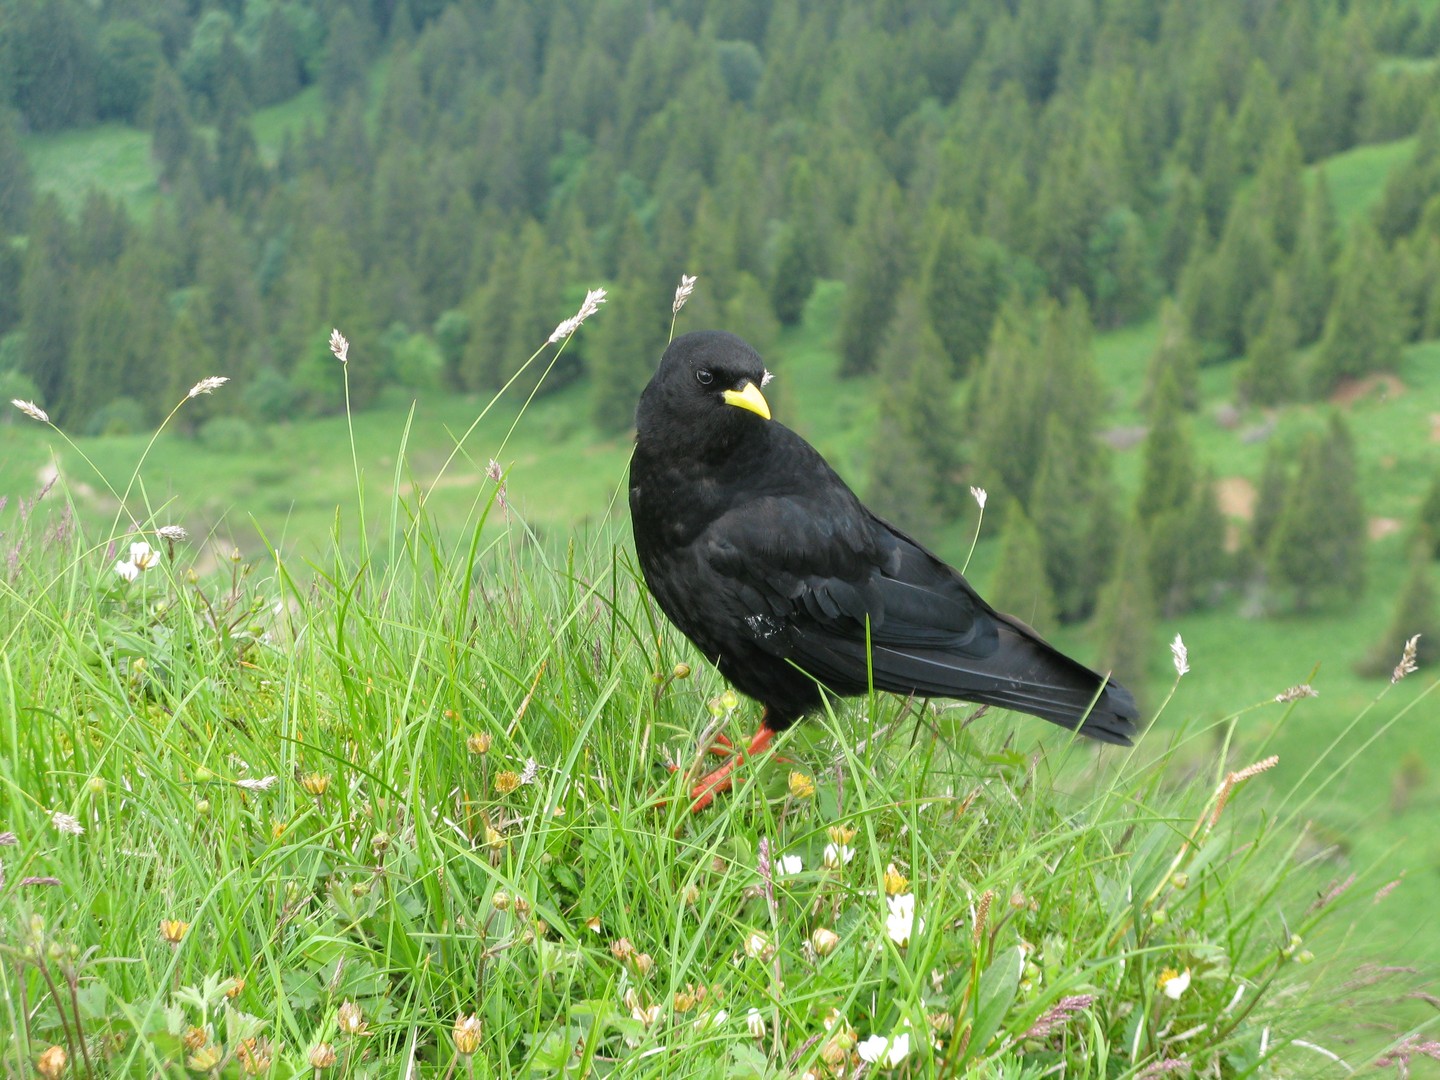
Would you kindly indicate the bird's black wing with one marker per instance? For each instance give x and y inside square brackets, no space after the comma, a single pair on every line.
[819,581]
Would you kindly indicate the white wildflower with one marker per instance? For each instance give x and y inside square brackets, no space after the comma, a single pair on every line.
[30,409]
[207,385]
[754,1019]
[1181,654]
[593,299]
[682,293]
[127,570]
[877,1049]
[339,346]
[837,855]
[143,556]
[789,864]
[1174,983]
[902,923]
[758,947]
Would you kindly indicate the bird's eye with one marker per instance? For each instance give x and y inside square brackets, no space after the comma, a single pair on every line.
[705,377]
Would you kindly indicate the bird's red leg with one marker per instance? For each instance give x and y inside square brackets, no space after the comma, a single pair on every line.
[705,791]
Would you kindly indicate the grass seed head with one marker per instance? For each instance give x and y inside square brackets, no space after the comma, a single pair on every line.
[30,409]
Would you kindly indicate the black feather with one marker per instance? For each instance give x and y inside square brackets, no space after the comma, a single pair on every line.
[763,557]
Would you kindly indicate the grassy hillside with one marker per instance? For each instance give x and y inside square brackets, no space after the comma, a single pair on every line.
[408,809]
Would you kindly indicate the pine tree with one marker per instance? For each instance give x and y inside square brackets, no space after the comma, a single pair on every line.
[1270,494]
[963,283]
[47,300]
[17,185]
[345,66]
[172,139]
[878,262]
[1318,548]
[1168,474]
[1184,221]
[1176,356]
[1020,586]
[629,341]
[1363,330]
[1268,374]
[1311,268]
[1414,613]
[1072,506]
[915,460]
[1125,619]
[277,64]
[798,256]
[1427,521]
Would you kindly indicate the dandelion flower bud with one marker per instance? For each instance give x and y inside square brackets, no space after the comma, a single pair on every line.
[824,940]
[895,882]
[322,1056]
[53,1061]
[467,1034]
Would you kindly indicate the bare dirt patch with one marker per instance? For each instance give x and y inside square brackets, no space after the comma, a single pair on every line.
[1380,527]
[1384,386]
[1236,496]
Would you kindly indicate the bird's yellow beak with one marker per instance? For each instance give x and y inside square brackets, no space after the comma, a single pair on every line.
[749,398]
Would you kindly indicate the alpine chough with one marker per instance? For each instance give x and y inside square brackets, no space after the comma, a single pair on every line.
[766,560]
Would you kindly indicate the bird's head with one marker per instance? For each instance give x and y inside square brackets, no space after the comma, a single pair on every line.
[708,383]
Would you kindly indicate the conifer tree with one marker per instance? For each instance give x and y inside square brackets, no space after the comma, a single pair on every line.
[1176,356]
[1020,586]
[277,63]
[47,299]
[1317,551]
[798,257]
[1268,375]
[1427,521]
[1311,268]
[1073,508]
[345,66]
[1414,613]
[915,460]
[1125,619]
[629,340]
[963,283]
[1270,494]
[17,185]
[1185,228]
[172,139]
[1363,331]
[1168,473]
[879,258]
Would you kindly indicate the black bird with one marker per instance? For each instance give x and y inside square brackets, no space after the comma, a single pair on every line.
[767,561]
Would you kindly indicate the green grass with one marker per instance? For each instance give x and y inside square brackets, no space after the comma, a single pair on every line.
[1357,177]
[385,853]
[113,157]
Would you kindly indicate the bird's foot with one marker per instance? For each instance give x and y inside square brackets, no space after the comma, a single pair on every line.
[722,779]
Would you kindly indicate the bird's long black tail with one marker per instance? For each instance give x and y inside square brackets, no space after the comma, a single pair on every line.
[1027,674]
